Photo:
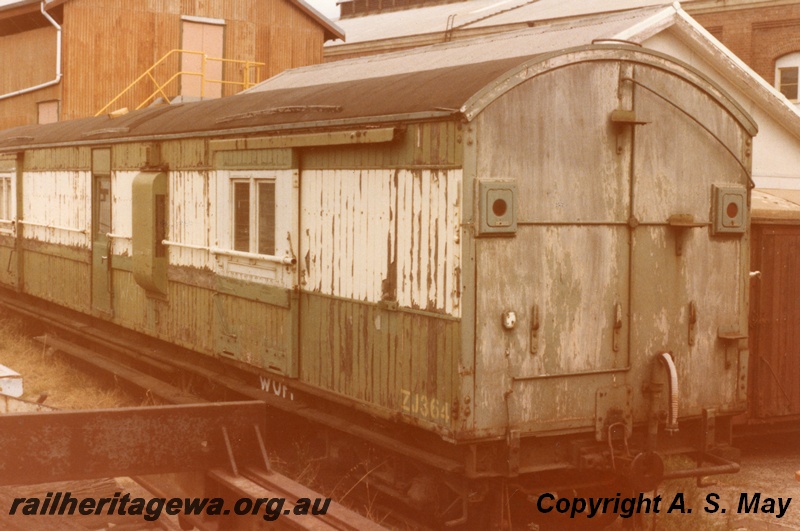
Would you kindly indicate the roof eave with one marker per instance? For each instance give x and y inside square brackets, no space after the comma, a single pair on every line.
[752,84]
[25,7]
[332,31]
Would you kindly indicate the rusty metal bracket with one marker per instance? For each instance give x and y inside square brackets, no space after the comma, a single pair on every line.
[513,452]
[709,431]
[263,449]
[72,445]
[681,223]
[229,452]
[534,336]
[730,337]
[613,407]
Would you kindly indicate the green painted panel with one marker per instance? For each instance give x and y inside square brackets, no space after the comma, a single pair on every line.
[101,223]
[185,154]
[8,263]
[186,317]
[400,362]
[149,230]
[426,145]
[101,161]
[58,279]
[198,317]
[130,301]
[252,332]
[74,254]
[71,158]
[254,292]
[136,156]
[122,263]
[255,158]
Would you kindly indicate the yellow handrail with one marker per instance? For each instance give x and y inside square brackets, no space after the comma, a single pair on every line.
[245,83]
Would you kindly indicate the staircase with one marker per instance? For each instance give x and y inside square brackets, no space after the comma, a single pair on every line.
[184,67]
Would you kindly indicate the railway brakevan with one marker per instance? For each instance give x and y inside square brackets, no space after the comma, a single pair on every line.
[509,266]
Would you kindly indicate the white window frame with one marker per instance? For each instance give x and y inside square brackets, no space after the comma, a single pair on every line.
[255,230]
[790,60]
[8,203]
[278,268]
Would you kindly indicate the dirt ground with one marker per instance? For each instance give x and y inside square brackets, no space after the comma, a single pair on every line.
[768,462]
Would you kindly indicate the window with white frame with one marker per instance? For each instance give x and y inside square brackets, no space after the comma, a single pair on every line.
[254,216]
[257,225]
[787,69]
[6,196]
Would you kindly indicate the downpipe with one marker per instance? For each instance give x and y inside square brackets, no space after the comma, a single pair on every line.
[59,74]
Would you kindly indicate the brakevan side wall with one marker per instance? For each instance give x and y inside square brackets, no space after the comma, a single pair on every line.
[381,273]
[373,312]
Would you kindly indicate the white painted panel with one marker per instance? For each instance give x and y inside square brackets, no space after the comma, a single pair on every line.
[364,230]
[57,207]
[189,219]
[121,208]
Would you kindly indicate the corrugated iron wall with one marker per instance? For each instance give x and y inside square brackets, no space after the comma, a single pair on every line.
[100,61]
[774,318]
[26,59]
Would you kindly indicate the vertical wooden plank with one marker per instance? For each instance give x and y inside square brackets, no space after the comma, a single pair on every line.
[405,247]
[371,335]
[327,227]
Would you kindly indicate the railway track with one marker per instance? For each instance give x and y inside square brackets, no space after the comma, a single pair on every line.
[144,370]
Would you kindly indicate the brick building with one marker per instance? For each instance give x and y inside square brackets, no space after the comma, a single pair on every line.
[765,34]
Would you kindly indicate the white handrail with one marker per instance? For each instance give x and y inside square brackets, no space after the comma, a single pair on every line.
[68,229]
[286,260]
[185,245]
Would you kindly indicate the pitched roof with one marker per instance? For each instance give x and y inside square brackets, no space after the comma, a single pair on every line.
[472,14]
[26,7]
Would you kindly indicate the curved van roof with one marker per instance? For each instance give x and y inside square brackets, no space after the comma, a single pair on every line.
[458,78]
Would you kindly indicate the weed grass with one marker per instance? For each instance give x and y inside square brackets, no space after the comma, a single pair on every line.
[44,373]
